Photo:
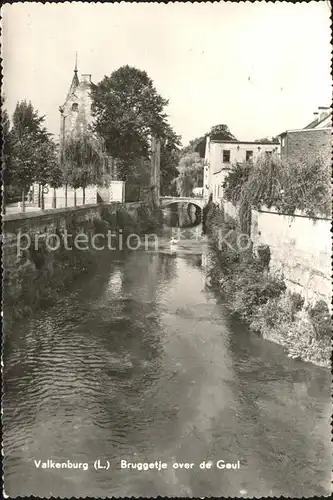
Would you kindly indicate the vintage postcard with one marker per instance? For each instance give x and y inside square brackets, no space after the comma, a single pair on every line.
[166,249]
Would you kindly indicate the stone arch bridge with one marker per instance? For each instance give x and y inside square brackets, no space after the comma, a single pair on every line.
[169,200]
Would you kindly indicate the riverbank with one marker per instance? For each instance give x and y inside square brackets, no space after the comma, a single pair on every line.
[261,299]
[36,275]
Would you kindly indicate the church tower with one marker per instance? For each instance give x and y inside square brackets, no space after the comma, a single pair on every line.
[76,116]
[76,113]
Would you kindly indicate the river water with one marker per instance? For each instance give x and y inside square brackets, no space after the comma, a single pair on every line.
[141,362]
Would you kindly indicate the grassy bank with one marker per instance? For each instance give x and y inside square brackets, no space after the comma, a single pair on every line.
[37,278]
[261,298]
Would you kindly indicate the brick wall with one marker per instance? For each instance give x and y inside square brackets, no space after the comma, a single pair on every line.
[308,144]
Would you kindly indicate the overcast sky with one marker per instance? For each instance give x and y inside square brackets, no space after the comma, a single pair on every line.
[259,68]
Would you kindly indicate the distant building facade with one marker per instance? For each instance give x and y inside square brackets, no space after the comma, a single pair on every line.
[310,142]
[220,155]
[198,192]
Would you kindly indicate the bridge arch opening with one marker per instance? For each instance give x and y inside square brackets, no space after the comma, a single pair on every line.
[184,214]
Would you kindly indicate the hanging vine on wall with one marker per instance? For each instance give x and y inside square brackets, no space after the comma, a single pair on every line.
[269,182]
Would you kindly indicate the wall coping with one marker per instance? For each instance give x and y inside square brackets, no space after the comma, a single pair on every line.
[53,211]
[303,216]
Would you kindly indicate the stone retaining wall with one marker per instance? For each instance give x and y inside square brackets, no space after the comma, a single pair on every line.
[300,248]
[34,272]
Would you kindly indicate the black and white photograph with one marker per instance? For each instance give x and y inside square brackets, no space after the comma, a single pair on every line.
[166,249]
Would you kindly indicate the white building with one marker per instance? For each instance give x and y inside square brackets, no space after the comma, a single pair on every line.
[220,155]
[198,191]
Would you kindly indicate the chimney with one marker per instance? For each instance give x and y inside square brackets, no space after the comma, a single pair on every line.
[315,115]
[323,111]
[86,78]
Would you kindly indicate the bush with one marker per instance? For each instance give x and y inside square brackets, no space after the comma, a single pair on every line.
[109,216]
[101,226]
[297,302]
[276,313]
[320,318]
[261,299]
[288,186]
[264,255]
[253,289]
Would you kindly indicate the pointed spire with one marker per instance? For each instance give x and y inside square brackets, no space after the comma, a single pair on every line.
[75,69]
[75,81]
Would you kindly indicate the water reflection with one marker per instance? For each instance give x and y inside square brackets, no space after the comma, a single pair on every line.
[182,215]
[140,362]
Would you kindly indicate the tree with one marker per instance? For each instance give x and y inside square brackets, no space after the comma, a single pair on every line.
[191,147]
[268,140]
[222,133]
[83,162]
[26,120]
[34,161]
[190,174]
[48,170]
[128,110]
[32,153]
[5,156]
[235,181]
[217,132]
[23,164]
[170,154]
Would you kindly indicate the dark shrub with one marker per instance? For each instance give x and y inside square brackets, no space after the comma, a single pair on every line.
[321,320]
[297,301]
[253,289]
[101,226]
[264,255]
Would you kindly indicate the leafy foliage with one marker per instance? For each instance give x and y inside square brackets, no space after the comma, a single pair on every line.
[190,174]
[29,155]
[222,133]
[82,161]
[234,184]
[191,147]
[253,289]
[271,140]
[261,299]
[48,170]
[304,186]
[320,319]
[11,191]
[128,110]
[170,154]
[26,120]
[217,132]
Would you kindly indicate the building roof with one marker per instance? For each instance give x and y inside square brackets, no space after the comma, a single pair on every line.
[317,121]
[311,126]
[201,146]
[75,83]
[247,142]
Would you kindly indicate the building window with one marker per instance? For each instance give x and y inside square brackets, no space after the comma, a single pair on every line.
[75,106]
[268,153]
[226,156]
[282,142]
[249,155]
